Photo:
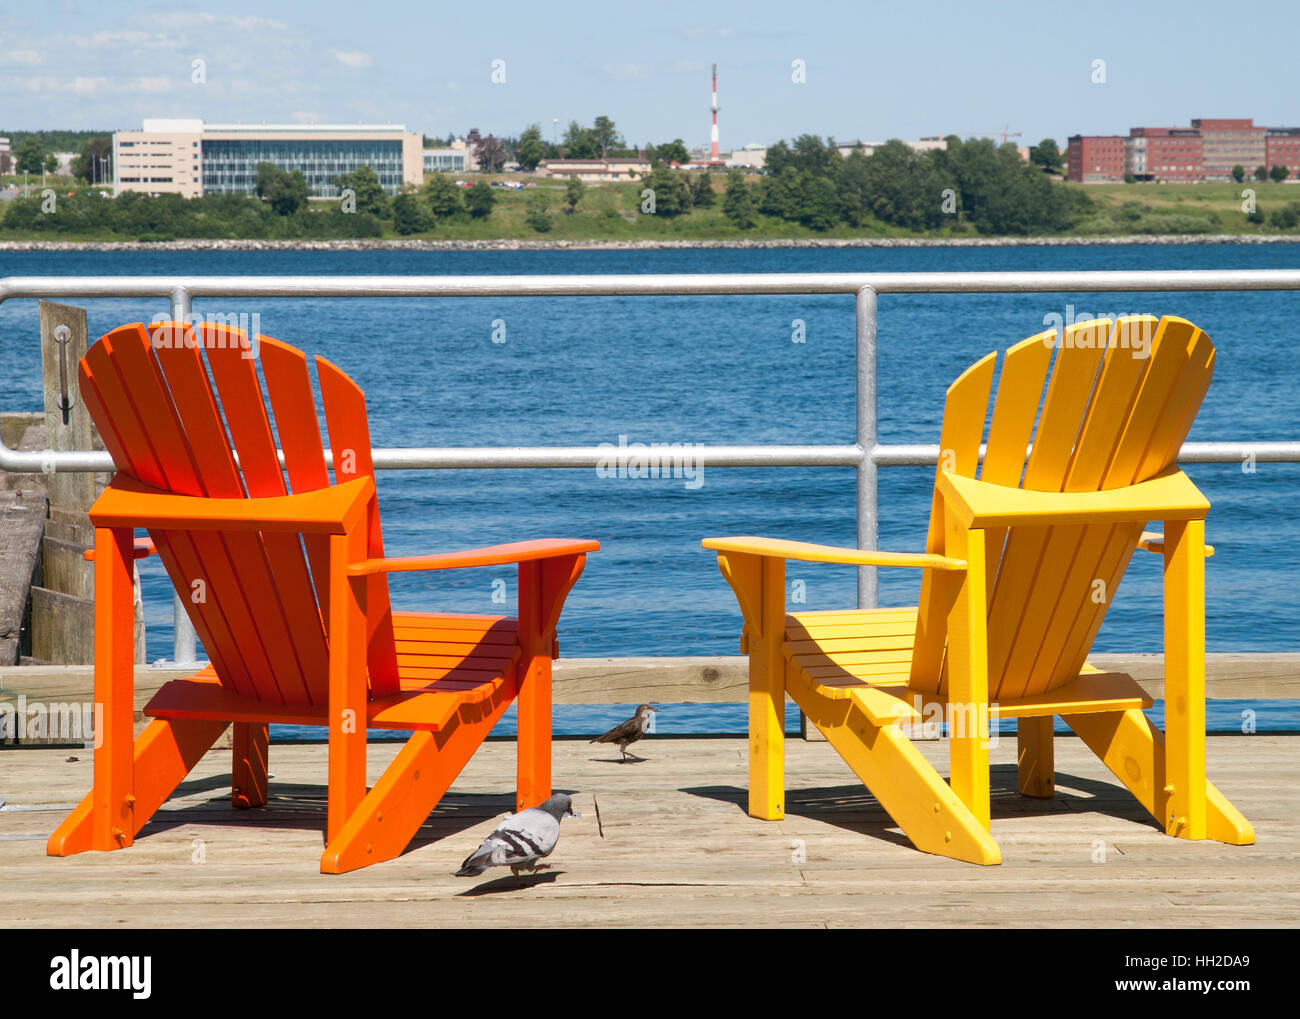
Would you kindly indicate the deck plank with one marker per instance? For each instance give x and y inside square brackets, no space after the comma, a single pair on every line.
[661,843]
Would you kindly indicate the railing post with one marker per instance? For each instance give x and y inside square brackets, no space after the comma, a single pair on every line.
[184,639]
[868,584]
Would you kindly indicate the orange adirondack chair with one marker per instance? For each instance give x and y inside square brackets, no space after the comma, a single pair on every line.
[289,594]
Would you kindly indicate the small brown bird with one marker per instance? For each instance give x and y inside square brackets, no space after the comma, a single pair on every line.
[629,732]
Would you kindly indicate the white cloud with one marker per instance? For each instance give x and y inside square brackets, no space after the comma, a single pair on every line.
[23,58]
[153,84]
[352,58]
[627,72]
[695,34]
[205,19]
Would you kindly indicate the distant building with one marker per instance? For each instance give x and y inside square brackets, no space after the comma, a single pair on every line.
[596,169]
[751,157]
[1229,143]
[918,145]
[1282,148]
[453,159]
[1206,151]
[191,158]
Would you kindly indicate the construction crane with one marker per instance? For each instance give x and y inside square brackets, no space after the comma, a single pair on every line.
[1005,134]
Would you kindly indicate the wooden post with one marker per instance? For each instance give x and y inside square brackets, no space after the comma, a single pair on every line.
[62,606]
[64,341]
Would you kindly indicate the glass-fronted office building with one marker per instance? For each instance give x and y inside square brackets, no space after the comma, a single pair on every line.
[192,158]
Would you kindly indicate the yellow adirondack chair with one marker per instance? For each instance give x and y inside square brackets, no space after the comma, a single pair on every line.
[1019,569]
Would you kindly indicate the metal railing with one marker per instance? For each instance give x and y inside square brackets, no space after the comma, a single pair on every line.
[866,454]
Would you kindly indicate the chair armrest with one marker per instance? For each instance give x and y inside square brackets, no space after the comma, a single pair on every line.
[1154,541]
[334,510]
[980,504]
[143,549]
[493,555]
[808,552]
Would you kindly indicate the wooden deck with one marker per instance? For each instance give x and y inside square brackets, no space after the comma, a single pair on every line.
[662,843]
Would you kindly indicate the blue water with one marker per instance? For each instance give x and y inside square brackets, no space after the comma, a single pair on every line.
[718,370]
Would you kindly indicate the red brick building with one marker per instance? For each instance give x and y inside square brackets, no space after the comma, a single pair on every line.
[1208,150]
[1165,154]
[1282,148]
[1230,143]
[1095,158]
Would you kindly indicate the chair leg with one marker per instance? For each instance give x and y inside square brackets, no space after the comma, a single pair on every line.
[912,792]
[1185,678]
[767,697]
[161,758]
[1134,751]
[382,826]
[1036,765]
[248,785]
[533,777]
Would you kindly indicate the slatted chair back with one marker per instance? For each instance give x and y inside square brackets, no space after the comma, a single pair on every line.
[184,410]
[1111,409]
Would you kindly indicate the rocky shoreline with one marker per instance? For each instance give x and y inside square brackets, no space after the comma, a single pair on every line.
[646,245]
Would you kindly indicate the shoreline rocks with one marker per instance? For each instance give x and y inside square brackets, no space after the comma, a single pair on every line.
[667,244]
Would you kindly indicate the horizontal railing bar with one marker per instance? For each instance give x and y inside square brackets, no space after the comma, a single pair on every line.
[198,287]
[1190,453]
[664,455]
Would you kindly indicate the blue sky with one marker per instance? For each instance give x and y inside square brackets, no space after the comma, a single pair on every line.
[872,70]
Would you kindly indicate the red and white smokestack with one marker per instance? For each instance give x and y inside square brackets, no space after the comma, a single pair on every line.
[713,138]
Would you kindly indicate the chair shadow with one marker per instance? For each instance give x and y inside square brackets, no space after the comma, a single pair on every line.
[853,808]
[304,808]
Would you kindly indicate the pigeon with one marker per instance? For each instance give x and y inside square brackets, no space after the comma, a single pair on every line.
[521,839]
[630,731]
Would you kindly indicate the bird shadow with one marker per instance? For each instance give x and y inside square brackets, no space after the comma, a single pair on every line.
[615,760]
[511,884]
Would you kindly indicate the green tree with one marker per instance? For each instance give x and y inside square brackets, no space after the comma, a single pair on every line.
[605,136]
[90,165]
[531,149]
[1047,155]
[1279,173]
[490,155]
[1238,173]
[573,194]
[29,155]
[367,191]
[780,197]
[578,142]
[818,204]
[443,197]
[1261,174]
[702,194]
[479,200]
[669,152]
[536,216]
[285,192]
[739,205]
[51,163]
[779,158]
[671,195]
[410,215]
[814,156]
